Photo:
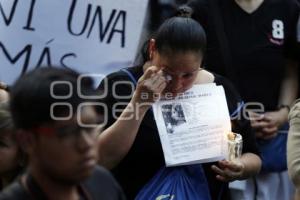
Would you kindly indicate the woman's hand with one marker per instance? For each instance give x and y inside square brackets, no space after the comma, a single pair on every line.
[229,171]
[149,87]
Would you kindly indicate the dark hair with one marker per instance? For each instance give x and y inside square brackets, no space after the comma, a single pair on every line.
[178,34]
[31,99]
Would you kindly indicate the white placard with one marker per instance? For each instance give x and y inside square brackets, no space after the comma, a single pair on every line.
[93,36]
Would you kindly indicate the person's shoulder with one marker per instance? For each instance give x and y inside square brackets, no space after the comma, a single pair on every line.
[120,74]
[226,83]
[101,184]
[14,192]
[285,6]
[234,100]
[124,74]
[295,112]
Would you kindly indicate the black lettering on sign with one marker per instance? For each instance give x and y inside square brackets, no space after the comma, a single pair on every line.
[8,19]
[64,57]
[10,15]
[29,18]
[102,32]
[26,51]
[46,54]
[121,16]
[107,29]
[45,58]
[70,18]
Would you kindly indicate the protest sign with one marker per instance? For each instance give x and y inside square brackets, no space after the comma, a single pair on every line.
[94,36]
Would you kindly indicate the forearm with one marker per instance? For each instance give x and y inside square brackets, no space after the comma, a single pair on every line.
[289,91]
[252,165]
[289,86]
[116,141]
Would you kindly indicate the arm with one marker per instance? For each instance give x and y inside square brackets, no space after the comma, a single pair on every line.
[116,141]
[250,163]
[293,150]
[269,123]
[289,87]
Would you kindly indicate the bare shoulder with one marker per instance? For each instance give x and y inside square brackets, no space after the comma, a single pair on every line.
[204,76]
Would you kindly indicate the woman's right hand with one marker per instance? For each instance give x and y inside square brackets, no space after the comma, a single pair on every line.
[149,87]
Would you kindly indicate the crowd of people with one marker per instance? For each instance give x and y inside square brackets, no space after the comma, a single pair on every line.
[57,144]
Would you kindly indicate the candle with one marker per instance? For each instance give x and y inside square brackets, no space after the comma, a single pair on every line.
[235,145]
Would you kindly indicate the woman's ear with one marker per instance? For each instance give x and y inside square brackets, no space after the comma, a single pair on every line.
[152,48]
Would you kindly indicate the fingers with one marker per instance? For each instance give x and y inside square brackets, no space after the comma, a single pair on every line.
[225,175]
[259,124]
[228,171]
[233,166]
[257,120]
[270,130]
[149,72]
[255,116]
[267,133]
[150,86]
[269,116]
[156,82]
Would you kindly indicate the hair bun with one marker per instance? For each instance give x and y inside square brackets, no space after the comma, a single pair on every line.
[185,11]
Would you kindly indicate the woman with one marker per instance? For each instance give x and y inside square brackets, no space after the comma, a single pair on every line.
[176,50]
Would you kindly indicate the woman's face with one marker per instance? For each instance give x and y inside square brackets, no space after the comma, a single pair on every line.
[182,67]
[8,153]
